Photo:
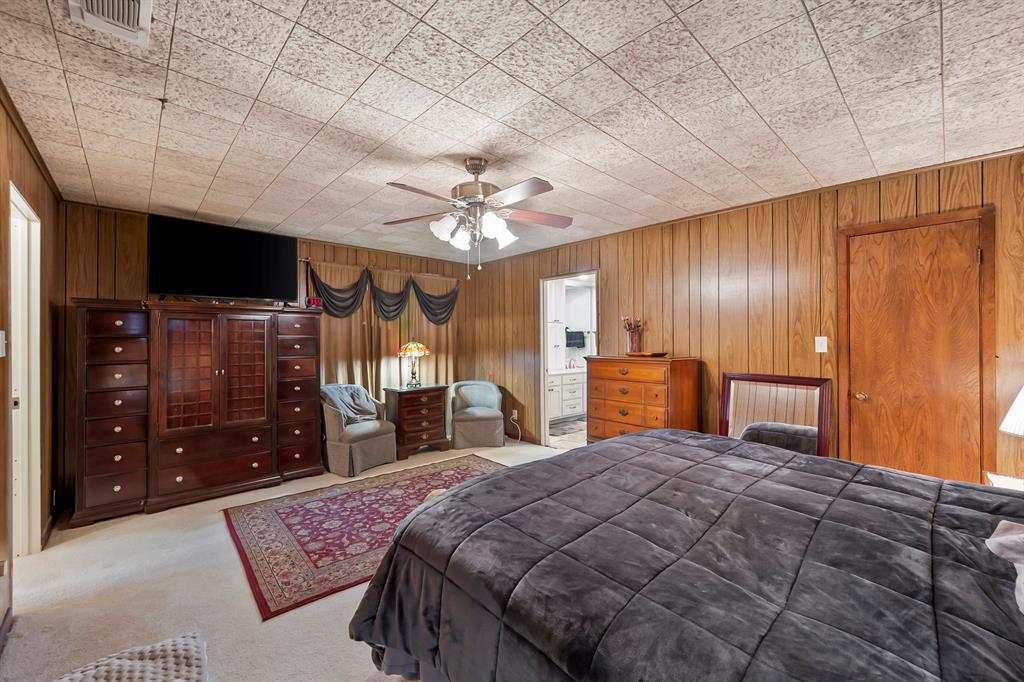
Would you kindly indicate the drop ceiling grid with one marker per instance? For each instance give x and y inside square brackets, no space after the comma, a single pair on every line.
[290,115]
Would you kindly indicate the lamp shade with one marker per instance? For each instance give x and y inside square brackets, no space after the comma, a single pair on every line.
[413,349]
[1013,422]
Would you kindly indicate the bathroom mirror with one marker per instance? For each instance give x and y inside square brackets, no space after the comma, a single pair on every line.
[787,412]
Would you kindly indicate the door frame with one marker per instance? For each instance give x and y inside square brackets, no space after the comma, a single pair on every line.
[985,215]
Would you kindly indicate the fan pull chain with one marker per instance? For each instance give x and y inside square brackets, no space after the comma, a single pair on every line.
[467,265]
[478,257]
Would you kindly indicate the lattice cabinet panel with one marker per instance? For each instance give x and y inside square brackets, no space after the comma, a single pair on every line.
[189,380]
[246,348]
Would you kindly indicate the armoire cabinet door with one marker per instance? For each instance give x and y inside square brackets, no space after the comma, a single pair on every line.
[187,398]
[246,363]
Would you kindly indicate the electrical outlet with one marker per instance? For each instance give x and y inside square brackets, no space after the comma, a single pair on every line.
[515,415]
[820,344]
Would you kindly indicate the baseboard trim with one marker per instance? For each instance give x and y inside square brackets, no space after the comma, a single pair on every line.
[47,531]
[5,628]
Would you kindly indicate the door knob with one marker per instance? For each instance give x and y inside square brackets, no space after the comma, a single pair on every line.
[860,395]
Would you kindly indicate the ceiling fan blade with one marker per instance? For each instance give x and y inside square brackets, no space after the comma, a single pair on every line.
[530,187]
[536,217]
[415,219]
[423,192]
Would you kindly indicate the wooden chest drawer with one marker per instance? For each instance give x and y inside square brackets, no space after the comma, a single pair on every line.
[202,446]
[655,417]
[115,488]
[418,411]
[115,430]
[595,427]
[421,398]
[655,394]
[296,368]
[629,413]
[613,429]
[423,436]
[597,389]
[115,459]
[116,323]
[297,346]
[296,325]
[297,410]
[298,389]
[116,376]
[298,456]
[421,423]
[215,472]
[626,391]
[596,409]
[106,349]
[629,371]
[297,432]
[116,403]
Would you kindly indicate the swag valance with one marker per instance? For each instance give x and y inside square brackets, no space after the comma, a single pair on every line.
[387,305]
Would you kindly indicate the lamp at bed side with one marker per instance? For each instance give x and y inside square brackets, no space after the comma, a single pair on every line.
[1013,422]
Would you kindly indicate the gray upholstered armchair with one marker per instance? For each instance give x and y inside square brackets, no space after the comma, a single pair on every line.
[476,416]
[358,436]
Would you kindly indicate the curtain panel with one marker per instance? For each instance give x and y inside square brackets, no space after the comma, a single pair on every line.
[362,348]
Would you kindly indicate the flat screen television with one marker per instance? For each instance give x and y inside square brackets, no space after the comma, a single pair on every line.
[190,258]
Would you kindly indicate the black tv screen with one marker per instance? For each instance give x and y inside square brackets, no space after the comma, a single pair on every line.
[189,258]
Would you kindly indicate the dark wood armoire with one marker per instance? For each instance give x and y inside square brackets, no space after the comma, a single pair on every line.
[179,402]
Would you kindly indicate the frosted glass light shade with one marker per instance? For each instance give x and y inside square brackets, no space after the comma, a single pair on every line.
[1013,422]
[461,240]
[505,237]
[491,225]
[442,228]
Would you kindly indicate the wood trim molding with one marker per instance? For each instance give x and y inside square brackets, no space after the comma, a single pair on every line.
[19,125]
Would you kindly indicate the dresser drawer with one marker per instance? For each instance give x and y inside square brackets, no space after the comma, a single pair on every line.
[105,349]
[202,446]
[419,399]
[214,472]
[420,423]
[296,325]
[655,394]
[115,488]
[655,417]
[116,403]
[630,413]
[116,323]
[115,459]
[597,388]
[428,436]
[418,411]
[115,430]
[298,389]
[614,429]
[626,391]
[629,371]
[297,346]
[116,376]
[596,408]
[300,456]
[297,432]
[296,368]
[595,427]
[297,410]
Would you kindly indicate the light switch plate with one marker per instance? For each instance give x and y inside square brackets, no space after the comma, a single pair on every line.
[820,344]
[3,344]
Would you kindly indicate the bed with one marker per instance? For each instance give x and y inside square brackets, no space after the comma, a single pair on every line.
[672,555]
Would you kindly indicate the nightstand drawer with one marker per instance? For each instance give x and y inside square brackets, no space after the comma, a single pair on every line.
[410,413]
[424,436]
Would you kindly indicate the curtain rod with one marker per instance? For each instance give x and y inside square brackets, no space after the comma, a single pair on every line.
[374,267]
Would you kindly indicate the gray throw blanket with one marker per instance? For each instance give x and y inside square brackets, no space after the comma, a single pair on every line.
[671,555]
[353,402]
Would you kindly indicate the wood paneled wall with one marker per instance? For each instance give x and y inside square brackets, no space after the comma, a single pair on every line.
[744,290]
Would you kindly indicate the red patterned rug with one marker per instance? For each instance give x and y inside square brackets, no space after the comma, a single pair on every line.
[299,548]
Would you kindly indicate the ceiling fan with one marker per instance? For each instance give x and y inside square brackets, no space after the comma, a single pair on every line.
[480,209]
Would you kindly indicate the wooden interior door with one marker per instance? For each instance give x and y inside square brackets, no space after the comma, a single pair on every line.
[188,382]
[247,372]
[917,341]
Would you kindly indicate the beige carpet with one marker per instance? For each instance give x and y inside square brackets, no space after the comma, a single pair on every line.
[145,578]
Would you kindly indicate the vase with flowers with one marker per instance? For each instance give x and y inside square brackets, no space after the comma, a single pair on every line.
[632,327]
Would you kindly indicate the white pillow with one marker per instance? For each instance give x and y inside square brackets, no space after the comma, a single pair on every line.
[1007,542]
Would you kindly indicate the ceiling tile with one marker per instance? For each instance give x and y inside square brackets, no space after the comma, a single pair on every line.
[233,175]
[540,118]
[242,190]
[159,35]
[238,25]
[198,124]
[493,92]
[780,50]
[282,123]
[26,40]
[538,157]
[58,153]
[395,94]
[385,164]
[28,10]
[216,65]
[659,54]
[430,58]
[208,99]
[498,140]
[591,90]
[586,143]
[727,112]
[58,112]
[126,170]
[842,23]
[364,120]
[694,87]
[876,110]
[905,145]
[372,28]
[314,58]
[813,123]
[320,175]
[722,24]
[286,8]
[176,166]
[803,83]
[641,125]
[421,141]
[903,55]
[838,161]
[114,100]
[544,57]
[982,37]
[604,26]
[453,120]
[101,121]
[254,161]
[185,143]
[33,77]
[111,67]
[301,97]
[266,144]
[117,145]
[485,28]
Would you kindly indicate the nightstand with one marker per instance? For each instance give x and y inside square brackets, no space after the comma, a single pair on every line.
[418,415]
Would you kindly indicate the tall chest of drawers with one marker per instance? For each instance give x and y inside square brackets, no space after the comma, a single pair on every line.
[627,394]
[298,395]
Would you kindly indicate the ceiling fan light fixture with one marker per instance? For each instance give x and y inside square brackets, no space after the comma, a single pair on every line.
[491,225]
[442,228]
[461,239]
[505,237]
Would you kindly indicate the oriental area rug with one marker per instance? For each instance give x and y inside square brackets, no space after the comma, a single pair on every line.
[299,548]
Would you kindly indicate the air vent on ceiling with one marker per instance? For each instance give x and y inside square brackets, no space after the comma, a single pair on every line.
[125,19]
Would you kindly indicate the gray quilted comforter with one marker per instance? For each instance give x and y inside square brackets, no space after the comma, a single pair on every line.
[671,555]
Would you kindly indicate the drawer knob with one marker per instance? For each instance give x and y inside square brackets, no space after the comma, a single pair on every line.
[118,375]
[178,451]
[179,479]
[424,436]
[624,412]
[118,323]
[297,325]
[298,409]
[623,371]
[255,465]
[117,488]
[296,367]
[297,432]
[117,458]
[297,455]
[423,398]
[424,423]
[255,439]
[297,346]
[424,411]
[117,402]
[624,391]
[297,389]
[118,349]
[118,429]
